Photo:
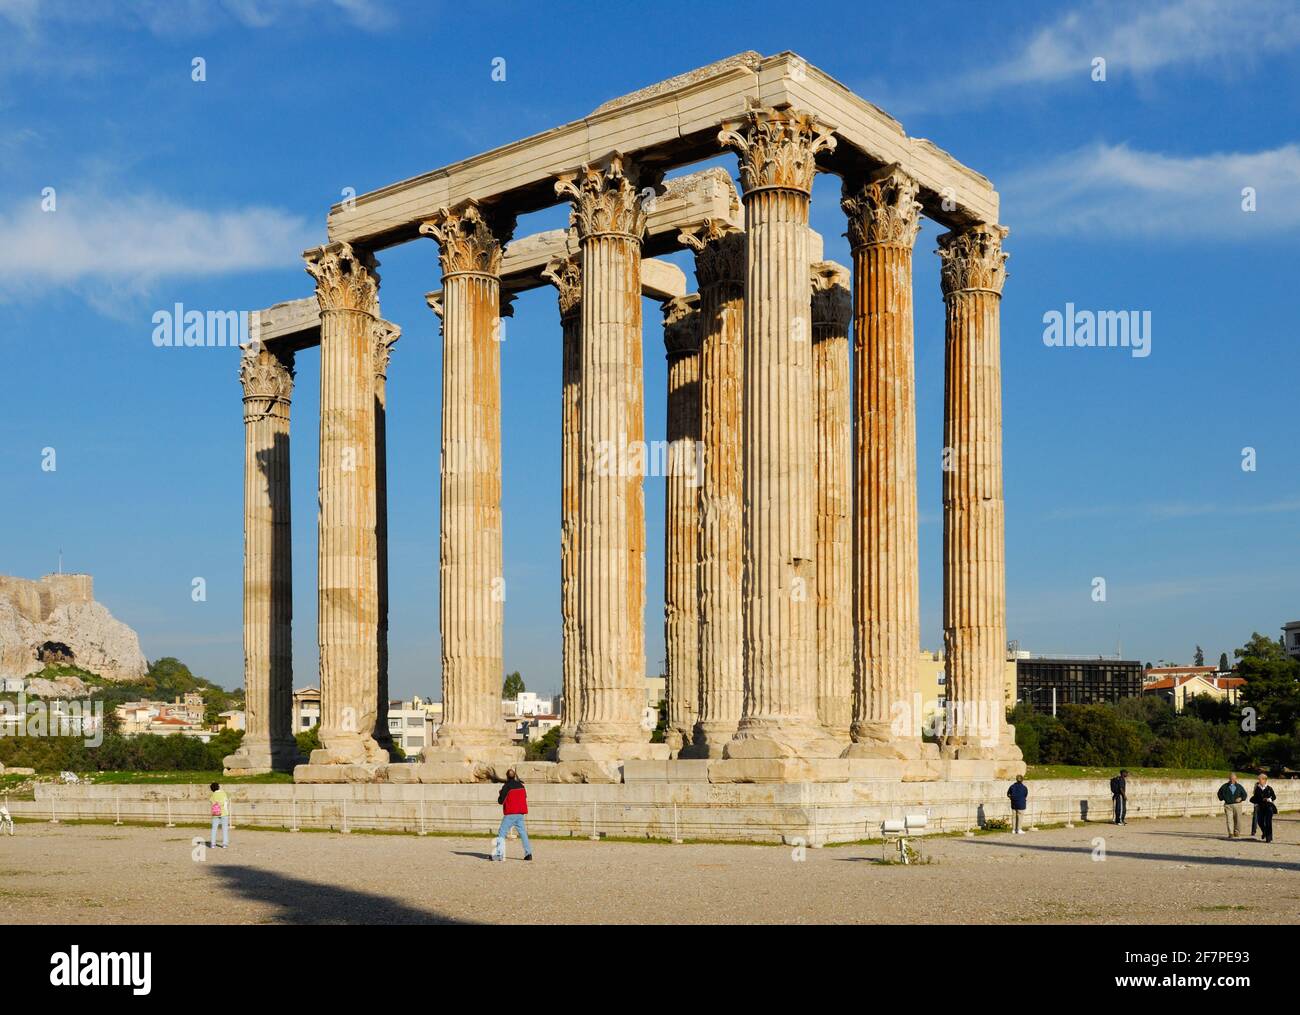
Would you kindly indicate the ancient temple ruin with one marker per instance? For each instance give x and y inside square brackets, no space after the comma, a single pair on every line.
[791,571]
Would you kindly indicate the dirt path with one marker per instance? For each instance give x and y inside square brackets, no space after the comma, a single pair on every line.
[1168,871]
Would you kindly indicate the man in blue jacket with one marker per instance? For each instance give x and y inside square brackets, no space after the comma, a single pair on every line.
[1018,793]
[1119,796]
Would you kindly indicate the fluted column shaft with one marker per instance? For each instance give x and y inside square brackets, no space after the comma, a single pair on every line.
[830,333]
[347,612]
[720,272]
[566,275]
[268,744]
[471,584]
[385,335]
[681,519]
[974,569]
[780,711]
[883,219]
[610,222]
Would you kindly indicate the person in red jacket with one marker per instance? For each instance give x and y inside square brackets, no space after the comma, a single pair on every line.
[513,799]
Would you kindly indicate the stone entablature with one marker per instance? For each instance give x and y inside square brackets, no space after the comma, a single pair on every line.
[669,125]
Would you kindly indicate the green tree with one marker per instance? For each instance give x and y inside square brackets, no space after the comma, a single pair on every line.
[1199,656]
[1223,662]
[1272,684]
[513,685]
[544,748]
[308,741]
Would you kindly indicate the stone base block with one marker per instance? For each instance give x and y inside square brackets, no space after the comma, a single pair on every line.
[678,770]
[495,756]
[258,759]
[613,752]
[730,770]
[903,750]
[781,742]
[878,769]
[570,772]
[313,772]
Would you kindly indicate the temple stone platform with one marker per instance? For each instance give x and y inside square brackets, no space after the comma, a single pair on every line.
[715,771]
[811,813]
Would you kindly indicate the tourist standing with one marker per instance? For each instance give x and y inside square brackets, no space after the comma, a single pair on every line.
[1264,800]
[513,799]
[1119,796]
[220,801]
[1233,794]
[1018,794]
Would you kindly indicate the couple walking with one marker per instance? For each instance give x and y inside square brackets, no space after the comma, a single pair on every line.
[1233,795]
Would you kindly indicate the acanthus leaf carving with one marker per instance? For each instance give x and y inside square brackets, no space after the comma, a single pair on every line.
[346,279]
[682,325]
[611,196]
[777,148]
[565,273]
[267,377]
[719,254]
[973,259]
[832,303]
[882,208]
[469,239]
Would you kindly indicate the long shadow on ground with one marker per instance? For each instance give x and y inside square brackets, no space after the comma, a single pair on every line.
[307,902]
[1218,861]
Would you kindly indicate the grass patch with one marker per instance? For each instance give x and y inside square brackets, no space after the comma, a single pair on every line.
[185,778]
[1089,772]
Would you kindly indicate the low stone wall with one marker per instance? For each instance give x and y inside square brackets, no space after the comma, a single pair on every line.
[815,813]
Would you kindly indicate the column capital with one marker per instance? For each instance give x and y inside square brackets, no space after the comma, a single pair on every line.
[609,196]
[882,208]
[386,336]
[470,240]
[973,259]
[682,325]
[267,378]
[565,273]
[719,253]
[832,304]
[434,299]
[777,147]
[346,279]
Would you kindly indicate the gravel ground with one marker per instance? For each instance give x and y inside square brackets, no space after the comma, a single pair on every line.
[1167,871]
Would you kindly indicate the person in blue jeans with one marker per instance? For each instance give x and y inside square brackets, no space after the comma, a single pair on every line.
[513,799]
[220,801]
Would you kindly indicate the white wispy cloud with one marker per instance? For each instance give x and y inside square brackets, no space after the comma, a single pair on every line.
[1223,38]
[1108,189]
[187,17]
[134,241]
[1145,38]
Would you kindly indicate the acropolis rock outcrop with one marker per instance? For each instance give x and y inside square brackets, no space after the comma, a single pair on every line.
[56,619]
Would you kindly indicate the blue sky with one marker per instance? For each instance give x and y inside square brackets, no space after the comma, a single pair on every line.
[1122,194]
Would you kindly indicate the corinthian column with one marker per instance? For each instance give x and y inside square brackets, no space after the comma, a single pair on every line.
[268,744]
[610,220]
[471,585]
[720,273]
[972,273]
[386,335]
[830,332]
[883,217]
[682,519]
[777,152]
[347,613]
[566,275]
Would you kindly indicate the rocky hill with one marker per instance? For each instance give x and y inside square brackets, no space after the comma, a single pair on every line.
[56,621]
